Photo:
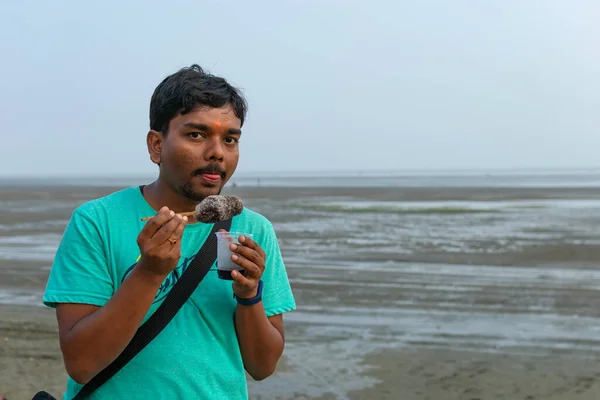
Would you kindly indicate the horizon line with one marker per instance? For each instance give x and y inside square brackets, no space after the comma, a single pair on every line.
[298,173]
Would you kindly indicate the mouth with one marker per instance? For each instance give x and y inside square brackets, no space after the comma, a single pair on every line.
[211,176]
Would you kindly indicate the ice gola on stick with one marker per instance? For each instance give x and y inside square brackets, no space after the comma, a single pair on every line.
[214,209]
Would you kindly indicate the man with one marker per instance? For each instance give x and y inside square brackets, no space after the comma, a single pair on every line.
[112,270]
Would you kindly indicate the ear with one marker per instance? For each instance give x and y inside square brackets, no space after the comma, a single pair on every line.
[154,141]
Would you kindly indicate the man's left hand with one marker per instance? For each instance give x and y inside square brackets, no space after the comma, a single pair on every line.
[250,256]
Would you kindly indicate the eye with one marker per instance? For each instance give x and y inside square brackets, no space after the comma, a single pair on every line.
[231,140]
[196,135]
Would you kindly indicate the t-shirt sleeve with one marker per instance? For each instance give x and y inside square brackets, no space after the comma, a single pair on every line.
[277,293]
[80,271]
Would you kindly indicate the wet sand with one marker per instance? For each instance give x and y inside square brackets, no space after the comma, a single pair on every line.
[30,360]
[452,375]
[442,305]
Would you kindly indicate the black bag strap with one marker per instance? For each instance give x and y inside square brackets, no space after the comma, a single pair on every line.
[178,295]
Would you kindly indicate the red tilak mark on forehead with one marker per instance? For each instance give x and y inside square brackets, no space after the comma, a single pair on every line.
[218,124]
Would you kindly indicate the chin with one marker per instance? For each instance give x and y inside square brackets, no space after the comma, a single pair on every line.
[200,193]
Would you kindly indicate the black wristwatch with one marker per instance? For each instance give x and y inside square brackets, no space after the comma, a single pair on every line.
[254,300]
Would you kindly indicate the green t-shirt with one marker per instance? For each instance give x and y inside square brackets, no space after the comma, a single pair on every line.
[197,355]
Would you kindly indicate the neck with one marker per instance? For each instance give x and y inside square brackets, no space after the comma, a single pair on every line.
[158,194]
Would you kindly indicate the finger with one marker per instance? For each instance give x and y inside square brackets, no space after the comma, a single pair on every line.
[248,253]
[174,249]
[167,230]
[178,234]
[242,281]
[246,241]
[154,224]
[252,270]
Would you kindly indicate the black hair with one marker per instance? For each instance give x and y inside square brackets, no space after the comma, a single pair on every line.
[189,88]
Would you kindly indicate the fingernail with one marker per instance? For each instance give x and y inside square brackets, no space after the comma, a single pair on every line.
[242,239]
[185,218]
[172,213]
[234,257]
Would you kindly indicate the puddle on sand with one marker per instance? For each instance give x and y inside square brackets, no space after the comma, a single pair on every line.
[318,369]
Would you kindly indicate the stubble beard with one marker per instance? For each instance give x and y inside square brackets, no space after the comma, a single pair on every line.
[187,190]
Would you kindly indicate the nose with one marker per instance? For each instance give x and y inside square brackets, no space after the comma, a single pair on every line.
[214,149]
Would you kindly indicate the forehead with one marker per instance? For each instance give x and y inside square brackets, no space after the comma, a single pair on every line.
[205,115]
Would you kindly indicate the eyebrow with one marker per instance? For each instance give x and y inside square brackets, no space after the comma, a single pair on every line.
[206,128]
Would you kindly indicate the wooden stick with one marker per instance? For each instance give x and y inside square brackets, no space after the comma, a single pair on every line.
[183,214]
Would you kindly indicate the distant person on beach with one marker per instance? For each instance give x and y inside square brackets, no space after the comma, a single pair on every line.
[112,270]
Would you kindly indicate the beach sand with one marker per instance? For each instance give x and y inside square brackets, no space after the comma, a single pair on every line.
[30,361]
[452,375]
[431,303]
[30,358]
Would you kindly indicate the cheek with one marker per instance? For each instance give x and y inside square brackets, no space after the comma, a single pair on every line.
[181,159]
[186,162]
[232,158]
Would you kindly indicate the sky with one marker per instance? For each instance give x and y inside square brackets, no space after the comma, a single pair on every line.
[331,85]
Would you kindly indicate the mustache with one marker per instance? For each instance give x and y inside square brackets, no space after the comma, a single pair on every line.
[210,169]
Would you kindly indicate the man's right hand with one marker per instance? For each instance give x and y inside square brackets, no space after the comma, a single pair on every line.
[92,337]
[160,242]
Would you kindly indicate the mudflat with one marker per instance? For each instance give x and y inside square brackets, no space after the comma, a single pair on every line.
[403,292]
[30,360]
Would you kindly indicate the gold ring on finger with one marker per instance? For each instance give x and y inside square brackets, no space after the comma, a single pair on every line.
[173,241]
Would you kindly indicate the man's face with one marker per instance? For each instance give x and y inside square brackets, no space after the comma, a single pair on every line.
[199,153]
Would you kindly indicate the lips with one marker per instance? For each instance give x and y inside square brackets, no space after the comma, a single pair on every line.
[213,178]
[210,175]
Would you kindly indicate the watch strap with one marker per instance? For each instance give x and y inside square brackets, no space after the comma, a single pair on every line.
[254,300]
